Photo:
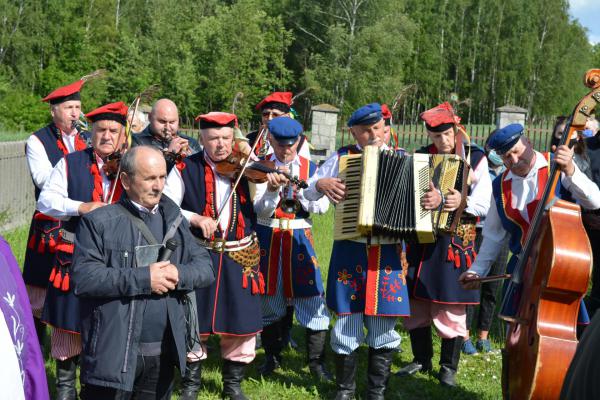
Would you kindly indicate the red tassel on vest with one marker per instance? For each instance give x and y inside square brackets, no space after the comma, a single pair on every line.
[57,280]
[52,244]
[31,243]
[41,245]
[261,283]
[468,259]
[65,283]
[255,287]
[450,256]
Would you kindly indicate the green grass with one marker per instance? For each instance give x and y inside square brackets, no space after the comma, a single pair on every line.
[478,375]
[17,238]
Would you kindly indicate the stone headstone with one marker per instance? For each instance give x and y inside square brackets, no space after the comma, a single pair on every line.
[323,131]
[509,114]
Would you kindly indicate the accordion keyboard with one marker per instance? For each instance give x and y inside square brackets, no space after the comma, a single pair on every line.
[346,212]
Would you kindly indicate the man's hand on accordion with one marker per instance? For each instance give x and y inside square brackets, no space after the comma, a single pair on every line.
[452,200]
[432,198]
[333,188]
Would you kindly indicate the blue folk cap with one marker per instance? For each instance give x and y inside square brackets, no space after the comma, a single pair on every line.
[504,139]
[366,115]
[285,130]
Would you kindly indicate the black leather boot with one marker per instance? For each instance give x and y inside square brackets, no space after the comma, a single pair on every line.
[40,330]
[191,381]
[422,348]
[286,329]
[65,379]
[271,342]
[233,374]
[380,364]
[449,357]
[315,352]
[345,375]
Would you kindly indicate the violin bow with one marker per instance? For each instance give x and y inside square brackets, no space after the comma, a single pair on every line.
[147,93]
[263,131]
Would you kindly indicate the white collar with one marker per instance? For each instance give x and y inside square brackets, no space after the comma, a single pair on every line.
[144,209]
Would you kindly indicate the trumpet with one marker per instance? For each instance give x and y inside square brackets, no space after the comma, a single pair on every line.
[79,125]
[290,204]
[172,156]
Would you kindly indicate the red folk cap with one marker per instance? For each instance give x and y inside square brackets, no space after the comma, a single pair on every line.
[284,98]
[440,115]
[112,112]
[65,93]
[216,119]
[385,112]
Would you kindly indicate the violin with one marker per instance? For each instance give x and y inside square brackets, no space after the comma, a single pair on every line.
[255,171]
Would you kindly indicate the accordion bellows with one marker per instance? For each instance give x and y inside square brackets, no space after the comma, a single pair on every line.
[384,191]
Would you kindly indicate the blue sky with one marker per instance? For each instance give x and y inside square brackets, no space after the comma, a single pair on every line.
[588,14]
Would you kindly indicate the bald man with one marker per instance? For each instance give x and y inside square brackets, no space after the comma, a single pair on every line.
[163,133]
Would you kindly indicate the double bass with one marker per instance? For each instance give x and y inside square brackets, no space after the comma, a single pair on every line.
[549,281]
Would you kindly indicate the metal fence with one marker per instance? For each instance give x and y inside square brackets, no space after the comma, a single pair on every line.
[17,200]
[17,195]
[413,136]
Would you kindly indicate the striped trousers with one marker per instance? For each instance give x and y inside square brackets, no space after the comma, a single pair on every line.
[64,344]
[311,312]
[348,333]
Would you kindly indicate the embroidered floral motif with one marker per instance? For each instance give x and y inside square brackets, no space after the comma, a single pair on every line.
[344,276]
[17,331]
[304,274]
[358,284]
[359,269]
[390,288]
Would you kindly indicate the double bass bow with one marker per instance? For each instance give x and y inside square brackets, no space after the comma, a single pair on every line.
[548,283]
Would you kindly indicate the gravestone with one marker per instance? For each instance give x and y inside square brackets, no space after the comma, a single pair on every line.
[508,114]
[323,132]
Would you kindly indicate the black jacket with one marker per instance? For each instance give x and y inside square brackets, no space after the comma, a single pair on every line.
[146,137]
[113,291]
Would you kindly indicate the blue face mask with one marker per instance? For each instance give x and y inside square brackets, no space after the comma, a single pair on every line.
[494,159]
[587,133]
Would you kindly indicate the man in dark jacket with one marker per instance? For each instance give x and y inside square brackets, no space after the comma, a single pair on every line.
[133,323]
[163,133]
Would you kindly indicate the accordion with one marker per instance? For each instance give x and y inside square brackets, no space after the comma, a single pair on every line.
[384,190]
